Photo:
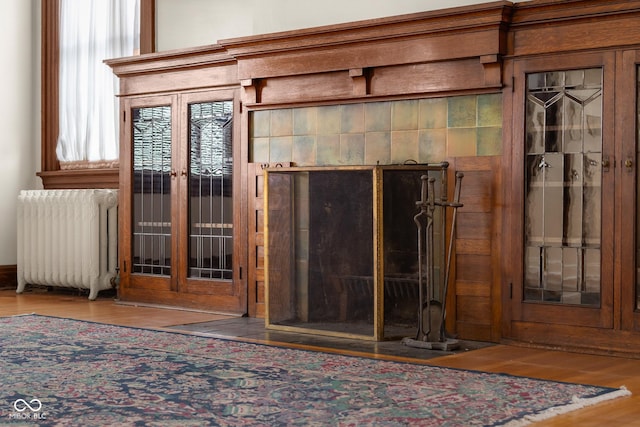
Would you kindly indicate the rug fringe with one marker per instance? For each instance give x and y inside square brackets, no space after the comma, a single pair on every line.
[577,403]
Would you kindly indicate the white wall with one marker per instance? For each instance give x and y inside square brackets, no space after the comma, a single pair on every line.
[19,113]
[188,23]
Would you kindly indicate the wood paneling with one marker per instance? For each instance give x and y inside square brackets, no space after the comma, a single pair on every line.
[548,26]
[255,278]
[477,260]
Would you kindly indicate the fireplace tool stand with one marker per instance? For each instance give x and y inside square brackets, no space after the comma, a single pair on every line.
[432,308]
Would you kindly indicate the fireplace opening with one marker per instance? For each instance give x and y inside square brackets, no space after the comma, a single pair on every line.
[342,255]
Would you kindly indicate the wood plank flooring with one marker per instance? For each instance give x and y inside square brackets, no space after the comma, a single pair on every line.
[537,363]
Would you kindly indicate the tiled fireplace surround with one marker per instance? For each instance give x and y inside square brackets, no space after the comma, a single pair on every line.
[387,132]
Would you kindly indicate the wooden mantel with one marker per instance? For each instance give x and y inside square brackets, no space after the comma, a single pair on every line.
[449,50]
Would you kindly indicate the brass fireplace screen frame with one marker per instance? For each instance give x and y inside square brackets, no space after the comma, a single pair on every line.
[341,248]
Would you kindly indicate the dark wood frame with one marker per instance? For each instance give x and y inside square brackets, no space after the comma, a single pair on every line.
[51,174]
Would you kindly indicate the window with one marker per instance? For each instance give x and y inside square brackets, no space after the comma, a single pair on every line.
[50,173]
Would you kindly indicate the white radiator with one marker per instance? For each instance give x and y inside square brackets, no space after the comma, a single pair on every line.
[67,238]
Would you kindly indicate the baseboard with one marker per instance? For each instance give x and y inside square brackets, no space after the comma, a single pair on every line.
[8,276]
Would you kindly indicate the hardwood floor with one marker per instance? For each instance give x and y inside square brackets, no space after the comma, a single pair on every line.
[537,363]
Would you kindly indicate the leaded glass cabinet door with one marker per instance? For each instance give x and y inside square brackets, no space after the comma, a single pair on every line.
[567,196]
[210,220]
[563,193]
[182,217]
[148,241]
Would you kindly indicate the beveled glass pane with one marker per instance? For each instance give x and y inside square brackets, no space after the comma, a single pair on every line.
[553,199]
[574,78]
[535,127]
[593,77]
[532,278]
[553,269]
[573,133]
[572,217]
[563,187]
[553,126]
[151,212]
[592,270]
[534,206]
[210,190]
[570,269]
[592,110]
[554,79]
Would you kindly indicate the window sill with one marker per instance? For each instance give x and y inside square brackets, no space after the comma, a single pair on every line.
[80,178]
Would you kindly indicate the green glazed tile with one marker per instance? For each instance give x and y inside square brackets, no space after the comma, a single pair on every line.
[432,145]
[490,110]
[404,146]
[328,150]
[328,120]
[259,150]
[461,111]
[352,149]
[433,113]
[280,149]
[377,148]
[377,116]
[304,121]
[461,142]
[304,150]
[352,116]
[490,141]
[260,123]
[282,122]
[404,115]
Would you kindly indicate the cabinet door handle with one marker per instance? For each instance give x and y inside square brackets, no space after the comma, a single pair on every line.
[628,163]
[183,172]
[173,173]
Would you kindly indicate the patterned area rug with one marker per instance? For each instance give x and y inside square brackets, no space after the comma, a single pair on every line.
[66,372]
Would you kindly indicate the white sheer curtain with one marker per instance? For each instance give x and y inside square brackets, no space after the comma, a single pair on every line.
[90,32]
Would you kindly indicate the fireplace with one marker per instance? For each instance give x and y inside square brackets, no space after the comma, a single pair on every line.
[341,248]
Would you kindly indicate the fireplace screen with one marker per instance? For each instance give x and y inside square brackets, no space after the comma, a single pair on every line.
[341,253]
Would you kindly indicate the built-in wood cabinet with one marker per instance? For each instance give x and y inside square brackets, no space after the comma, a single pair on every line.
[182,223]
[535,103]
[571,279]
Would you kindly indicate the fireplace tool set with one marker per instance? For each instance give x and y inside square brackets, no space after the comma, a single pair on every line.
[432,302]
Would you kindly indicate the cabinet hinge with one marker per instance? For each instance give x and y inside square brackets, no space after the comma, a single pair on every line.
[124,116]
[510,290]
